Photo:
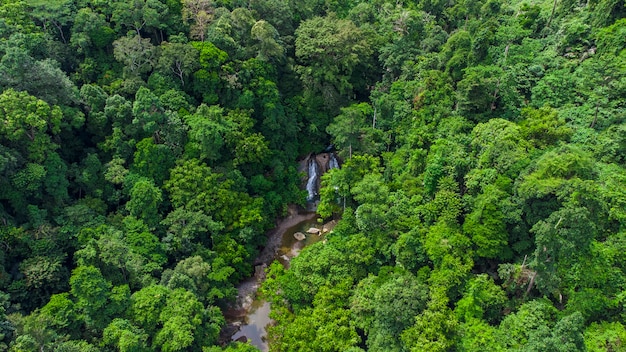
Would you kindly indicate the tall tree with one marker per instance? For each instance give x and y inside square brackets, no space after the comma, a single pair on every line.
[178,59]
[200,13]
[140,14]
[328,50]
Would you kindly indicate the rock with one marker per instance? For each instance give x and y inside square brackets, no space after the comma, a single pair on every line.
[313,230]
[323,160]
[299,236]
[259,271]
[329,226]
[242,339]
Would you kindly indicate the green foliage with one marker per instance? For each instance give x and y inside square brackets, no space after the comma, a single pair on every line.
[478,335]
[478,91]
[605,336]
[146,146]
[328,50]
[144,201]
[433,329]
[136,53]
[483,299]
[384,306]
[29,124]
[565,336]
[44,79]
[122,335]
[543,126]
[178,59]
[327,327]
[486,226]
[351,131]
[153,160]
[94,296]
[139,14]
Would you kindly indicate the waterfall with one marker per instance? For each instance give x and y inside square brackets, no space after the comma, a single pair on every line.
[311,185]
[333,163]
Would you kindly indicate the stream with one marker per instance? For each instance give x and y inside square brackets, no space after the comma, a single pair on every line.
[249,315]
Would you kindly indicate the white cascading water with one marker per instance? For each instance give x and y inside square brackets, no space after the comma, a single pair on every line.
[311,185]
[333,163]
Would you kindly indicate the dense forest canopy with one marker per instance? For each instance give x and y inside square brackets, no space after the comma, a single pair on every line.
[146,146]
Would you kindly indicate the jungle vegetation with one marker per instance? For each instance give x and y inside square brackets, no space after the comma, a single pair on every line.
[146,146]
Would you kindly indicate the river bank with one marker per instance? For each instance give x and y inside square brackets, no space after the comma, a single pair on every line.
[242,311]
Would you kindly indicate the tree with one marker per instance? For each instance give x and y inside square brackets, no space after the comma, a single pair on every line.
[178,59]
[185,182]
[206,80]
[126,337]
[186,323]
[483,299]
[206,132]
[456,54]
[330,325]
[56,183]
[137,14]
[196,187]
[15,18]
[146,306]
[201,13]
[61,314]
[33,171]
[500,144]
[515,329]
[95,296]
[90,31]
[280,14]
[43,276]
[33,333]
[385,305]
[187,230]
[94,99]
[57,14]
[191,274]
[567,335]
[543,126]
[152,160]
[328,50]
[41,78]
[479,91]
[605,336]
[29,123]
[6,327]
[477,335]
[148,115]
[269,45]
[486,224]
[144,202]
[561,242]
[136,53]
[433,330]
[351,131]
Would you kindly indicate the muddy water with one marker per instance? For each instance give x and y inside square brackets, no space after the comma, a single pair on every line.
[254,327]
[249,317]
[291,247]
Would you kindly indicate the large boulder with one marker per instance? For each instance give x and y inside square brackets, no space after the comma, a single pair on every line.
[313,230]
[323,161]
